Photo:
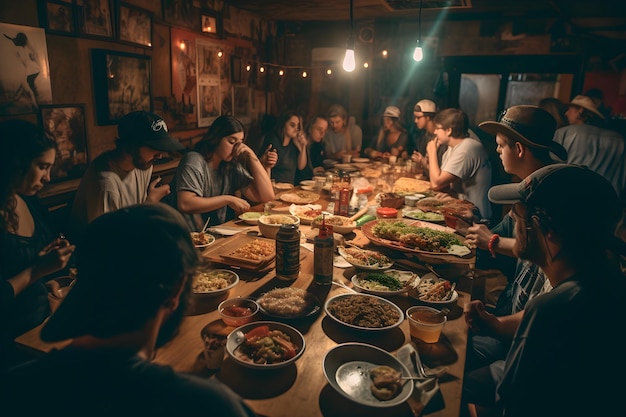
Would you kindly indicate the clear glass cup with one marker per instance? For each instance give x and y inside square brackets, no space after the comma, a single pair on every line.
[425,323]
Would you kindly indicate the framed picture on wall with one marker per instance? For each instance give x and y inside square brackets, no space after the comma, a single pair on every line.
[122,84]
[94,18]
[134,25]
[58,17]
[181,13]
[66,123]
[211,23]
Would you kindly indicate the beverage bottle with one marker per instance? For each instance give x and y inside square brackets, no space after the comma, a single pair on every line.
[323,255]
[335,191]
[344,196]
[288,252]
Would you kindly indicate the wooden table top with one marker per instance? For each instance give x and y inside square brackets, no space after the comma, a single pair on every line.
[301,389]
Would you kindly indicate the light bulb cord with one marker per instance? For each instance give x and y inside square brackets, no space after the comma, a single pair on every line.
[419,21]
[351,38]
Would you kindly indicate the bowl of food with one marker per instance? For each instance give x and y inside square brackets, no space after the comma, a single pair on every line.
[383,283]
[340,224]
[306,213]
[288,303]
[265,345]
[251,217]
[282,186]
[364,258]
[433,290]
[390,200]
[202,239]
[237,311]
[364,312]
[269,224]
[212,282]
[367,375]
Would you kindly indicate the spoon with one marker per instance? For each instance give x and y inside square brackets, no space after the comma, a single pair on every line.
[451,293]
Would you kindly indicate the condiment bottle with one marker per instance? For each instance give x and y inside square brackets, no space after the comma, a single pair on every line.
[344,196]
[323,255]
[335,191]
[288,252]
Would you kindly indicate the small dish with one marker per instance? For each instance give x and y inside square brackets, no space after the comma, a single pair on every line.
[251,217]
[370,282]
[308,187]
[202,239]
[213,282]
[288,303]
[238,311]
[433,290]
[365,259]
[307,183]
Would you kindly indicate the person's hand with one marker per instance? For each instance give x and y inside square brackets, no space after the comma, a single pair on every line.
[238,205]
[54,257]
[478,236]
[300,141]
[269,159]
[319,171]
[417,157]
[156,192]
[432,145]
[480,320]
[242,152]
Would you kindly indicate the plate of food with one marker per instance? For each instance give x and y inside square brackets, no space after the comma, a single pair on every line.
[365,259]
[306,213]
[300,197]
[265,345]
[431,289]
[255,252]
[212,282]
[416,236]
[384,283]
[364,312]
[202,239]
[407,186]
[427,216]
[283,186]
[288,303]
[367,375]
[307,183]
[360,160]
[340,224]
[251,217]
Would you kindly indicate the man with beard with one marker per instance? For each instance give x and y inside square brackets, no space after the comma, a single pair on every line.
[136,265]
[542,374]
[122,177]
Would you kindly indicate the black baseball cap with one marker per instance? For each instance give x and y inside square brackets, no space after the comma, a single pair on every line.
[143,128]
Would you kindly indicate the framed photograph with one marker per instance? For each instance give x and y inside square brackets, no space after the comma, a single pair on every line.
[181,13]
[66,123]
[122,84]
[58,17]
[24,69]
[134,25]
[94,18]
[211,23]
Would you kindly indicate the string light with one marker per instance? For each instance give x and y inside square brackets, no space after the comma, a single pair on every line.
[349,62]
[248,67]
[384,53]
[366,65]
[281,73]
[304,74]
[220,53]
[262,69]
[329,71]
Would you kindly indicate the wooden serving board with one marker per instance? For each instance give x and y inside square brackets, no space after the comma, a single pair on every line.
[221,252]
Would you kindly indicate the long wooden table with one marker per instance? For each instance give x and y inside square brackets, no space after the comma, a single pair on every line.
[301,389]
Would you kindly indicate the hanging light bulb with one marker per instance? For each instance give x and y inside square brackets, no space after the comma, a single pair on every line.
[262,69]
[220,53]
[418,54]
[304,74]
[281,73]
[248,67]
[349,63]
[329,71]
[366,65]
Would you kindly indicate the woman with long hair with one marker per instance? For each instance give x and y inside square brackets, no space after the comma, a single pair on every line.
[289,141]
[392,137]
[30,251]
[220,177]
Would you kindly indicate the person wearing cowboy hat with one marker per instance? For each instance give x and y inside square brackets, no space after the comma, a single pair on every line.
[589,143]
[524,143]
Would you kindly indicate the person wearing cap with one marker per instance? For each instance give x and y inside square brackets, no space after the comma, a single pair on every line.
[31,251]
[424,113]
[218,179]
[523,136]
[583,314]
[122,177]
[589,143]
[114,333]
[392,137]
[343,138]
[465,168]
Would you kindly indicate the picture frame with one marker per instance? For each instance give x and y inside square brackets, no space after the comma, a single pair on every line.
[66,124]
[94,18]
[236,69]
[211,23]
[24,69]
[122,84]
[181,13]
[134,25]
[58,17]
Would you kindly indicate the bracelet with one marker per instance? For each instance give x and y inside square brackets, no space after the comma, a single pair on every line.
[492,241]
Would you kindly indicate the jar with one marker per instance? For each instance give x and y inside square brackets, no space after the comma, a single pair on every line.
[386,213]
[288,252]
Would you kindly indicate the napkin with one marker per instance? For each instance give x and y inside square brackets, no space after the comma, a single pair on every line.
[426,388]
[226,230]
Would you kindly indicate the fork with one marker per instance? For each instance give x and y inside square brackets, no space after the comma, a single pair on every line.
[419,367]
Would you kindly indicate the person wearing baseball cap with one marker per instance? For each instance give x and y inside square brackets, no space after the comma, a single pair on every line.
[135,277]
[424,113]
[392,137]
[579,254]
[588,142]
[123,176]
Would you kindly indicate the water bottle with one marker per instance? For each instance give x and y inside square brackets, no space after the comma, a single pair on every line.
[288,252]
[323,255]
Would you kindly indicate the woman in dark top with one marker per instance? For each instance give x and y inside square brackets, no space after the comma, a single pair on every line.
[290,143]
[30,251]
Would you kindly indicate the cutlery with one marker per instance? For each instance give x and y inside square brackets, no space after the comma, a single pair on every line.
[419,367]
[431,269]
[343,286]
[206,224]
[451,292]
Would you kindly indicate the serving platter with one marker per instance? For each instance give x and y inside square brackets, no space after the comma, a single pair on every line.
[220,252]
[300,197]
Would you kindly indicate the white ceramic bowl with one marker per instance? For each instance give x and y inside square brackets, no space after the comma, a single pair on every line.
[251,217]
[328,309]
[346,226]
[236,337]
[269,224]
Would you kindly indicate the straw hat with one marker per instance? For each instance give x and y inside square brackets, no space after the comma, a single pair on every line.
[586,103]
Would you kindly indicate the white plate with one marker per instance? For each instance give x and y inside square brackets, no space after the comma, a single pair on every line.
[307,182]
[225,230]
[426,282]
[210,239]
[251,217]
[370,298]
[345,253]
[317,222]
[346,368]
[403,276]
[360,160]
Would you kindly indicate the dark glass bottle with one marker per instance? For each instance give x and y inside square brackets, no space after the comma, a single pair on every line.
[323,255]
[288,252]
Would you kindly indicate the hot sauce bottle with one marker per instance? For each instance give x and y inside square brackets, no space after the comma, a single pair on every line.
[323,254]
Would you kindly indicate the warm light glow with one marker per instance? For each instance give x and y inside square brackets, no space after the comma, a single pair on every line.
[248,67]
[182,45]
[329,71]
[281,72]
[349,62]
[149,43]
[384,53]
[366,65]
[304,74]
[418,54]
[262,69]
[220,54]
